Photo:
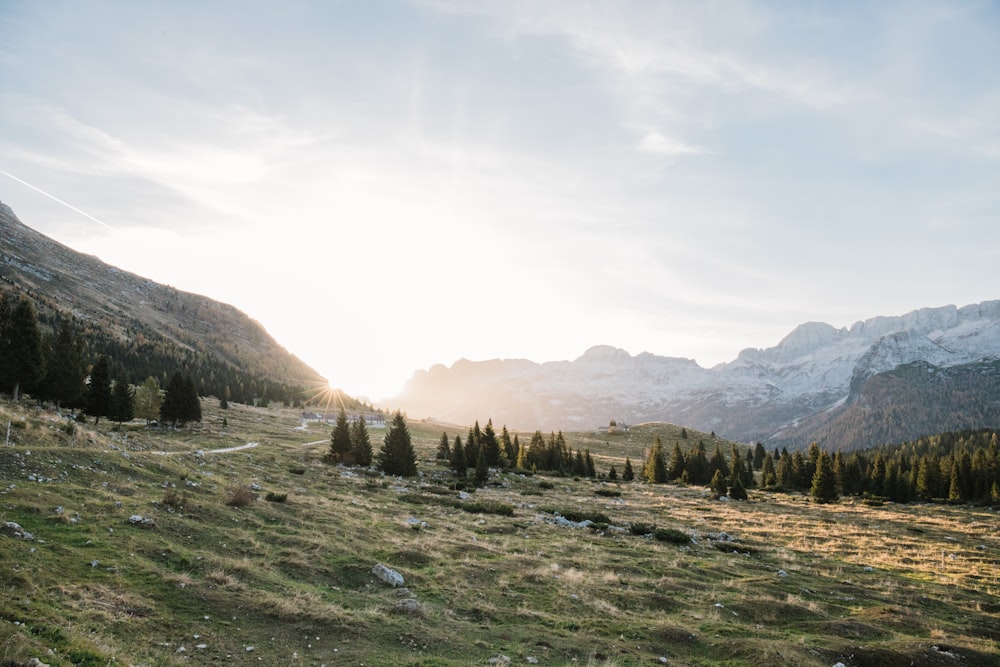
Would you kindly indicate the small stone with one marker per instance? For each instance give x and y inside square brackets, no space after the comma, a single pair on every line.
[782,573]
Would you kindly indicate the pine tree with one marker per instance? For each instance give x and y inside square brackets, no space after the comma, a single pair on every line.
[459,462]
[718,484]
[180,403]
[508,450]
[718,462]
[612,474]
[768,476]
[482,467]
[361,445]
[759,454]
[736,490]
[397,456]
[22,362]
[444,448]
[589,464]
[148,400]
[824,482]
[655,470]
[696,466]
[99,390]
[122,407]
[677,462]
[340,440]
[627,473]
[64,367]
[191,403]
[490,445]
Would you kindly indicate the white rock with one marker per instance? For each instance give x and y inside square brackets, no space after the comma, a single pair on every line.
[782,573]
[388,575]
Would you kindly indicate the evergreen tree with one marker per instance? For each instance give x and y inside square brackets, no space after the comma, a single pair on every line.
[361,445]
[718,462]
[612,474]
[589,464]
[180,403]
[482,467]
[627,473]
[459,461]
[696,466]
[736,490]
[99,390]
[22,362]
[521,456]
[759,454]
[490,445]
[824,482]
[768,476]
[148,400]
[224,399]
[472,443]
[718,484]
[508,449]
[444,448]
[579,465]
[655,470]
[677,463]
[122,407]
[340,440]
[397,456]
[64,367]
[191,403]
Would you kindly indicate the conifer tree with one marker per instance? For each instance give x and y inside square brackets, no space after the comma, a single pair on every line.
[718,484]
[579,465]
[22,361]
[768,475]
[758,456]
[64,367]
[589,464]
[677,463]
[122,407]
[718,462]
[361,445]
[627,473]
[736,490]
[459,461]
[397,456]
[490,445]
[508,448]
[482,467]
[655,470]
[824,482]
[340,439]
[99,390]
[444,448]
[696,466]
[612,474]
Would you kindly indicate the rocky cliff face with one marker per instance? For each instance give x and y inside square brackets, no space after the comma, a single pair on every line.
[783,394]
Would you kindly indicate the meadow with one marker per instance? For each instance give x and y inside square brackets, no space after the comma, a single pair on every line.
[148,548]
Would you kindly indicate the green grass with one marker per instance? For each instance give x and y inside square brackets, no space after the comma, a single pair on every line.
[292,580]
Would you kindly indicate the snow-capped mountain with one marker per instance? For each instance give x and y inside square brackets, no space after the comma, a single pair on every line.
[808,380]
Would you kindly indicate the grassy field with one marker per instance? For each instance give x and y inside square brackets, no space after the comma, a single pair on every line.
[490,578]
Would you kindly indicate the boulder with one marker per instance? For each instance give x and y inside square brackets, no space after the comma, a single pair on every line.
[388,575]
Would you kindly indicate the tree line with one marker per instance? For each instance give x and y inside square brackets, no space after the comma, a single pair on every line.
[35,335]
[55,367]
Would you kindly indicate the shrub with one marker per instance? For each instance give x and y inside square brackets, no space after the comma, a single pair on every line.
[671,535]
[608,493]
[171,498]
[297,471]
[641,528]
[579,515]
[272,497]
[241,496]
[545,484]
[488,507]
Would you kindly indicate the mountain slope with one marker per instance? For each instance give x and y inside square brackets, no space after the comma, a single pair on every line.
[129,311]
[789,394]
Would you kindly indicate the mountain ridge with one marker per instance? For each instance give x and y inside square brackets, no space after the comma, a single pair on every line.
[131,311]
[762,395]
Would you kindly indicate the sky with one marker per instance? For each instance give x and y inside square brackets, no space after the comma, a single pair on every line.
[389,185]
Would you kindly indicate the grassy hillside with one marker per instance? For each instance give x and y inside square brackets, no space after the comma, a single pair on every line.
[776,580]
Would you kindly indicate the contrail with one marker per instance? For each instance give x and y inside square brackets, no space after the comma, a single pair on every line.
[56,199]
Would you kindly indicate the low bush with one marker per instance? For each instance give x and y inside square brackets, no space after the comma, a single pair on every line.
[641,528]
[671,535]
[488,507]
[241,496]
[272,497]
[608,493]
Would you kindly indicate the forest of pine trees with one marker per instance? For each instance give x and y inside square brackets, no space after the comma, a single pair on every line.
[47,355]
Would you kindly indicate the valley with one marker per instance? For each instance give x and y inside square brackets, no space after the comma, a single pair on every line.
[265,555]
